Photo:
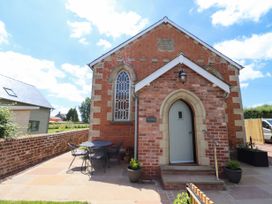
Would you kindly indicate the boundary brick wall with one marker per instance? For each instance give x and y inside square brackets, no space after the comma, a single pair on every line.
[21,153]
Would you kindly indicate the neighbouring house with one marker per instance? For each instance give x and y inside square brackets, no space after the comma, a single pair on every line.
[30,109]
[55,119]
[170,96]
[62,116]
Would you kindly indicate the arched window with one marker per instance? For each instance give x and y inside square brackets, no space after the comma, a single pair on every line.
[122,97]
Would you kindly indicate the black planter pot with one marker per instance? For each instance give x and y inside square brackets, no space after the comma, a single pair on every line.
[234,175]
[253,157]
[134,175]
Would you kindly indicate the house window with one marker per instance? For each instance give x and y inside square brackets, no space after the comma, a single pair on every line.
[33,125]
[10,92]
[122,97]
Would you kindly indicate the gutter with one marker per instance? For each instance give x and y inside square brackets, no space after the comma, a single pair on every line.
[91,67]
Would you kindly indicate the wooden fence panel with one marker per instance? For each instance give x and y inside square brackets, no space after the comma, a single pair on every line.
[254,130]
[197,196]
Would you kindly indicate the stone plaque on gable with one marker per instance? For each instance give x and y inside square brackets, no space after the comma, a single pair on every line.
[165,44]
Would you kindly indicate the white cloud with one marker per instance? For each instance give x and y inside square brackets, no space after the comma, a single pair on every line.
[82,76]
[83,41]
[45,75]
[244,85]
[255,47]
[252,52]
[233,11]
[79,30]
[104,43]
[250,73]
[107,17]
[3,33]
[57,109]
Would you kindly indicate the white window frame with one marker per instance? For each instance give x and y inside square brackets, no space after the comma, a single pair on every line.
[129,96]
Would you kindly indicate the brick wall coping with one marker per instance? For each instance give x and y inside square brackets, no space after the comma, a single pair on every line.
[42,135]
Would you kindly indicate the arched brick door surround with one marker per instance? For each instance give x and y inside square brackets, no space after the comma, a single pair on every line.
[199,125]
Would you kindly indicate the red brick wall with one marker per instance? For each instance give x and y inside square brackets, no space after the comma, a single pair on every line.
[143,57]
[150,101]
[21,153]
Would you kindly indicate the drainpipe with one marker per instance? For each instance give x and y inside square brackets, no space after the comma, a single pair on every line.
[136,128]
[215,161]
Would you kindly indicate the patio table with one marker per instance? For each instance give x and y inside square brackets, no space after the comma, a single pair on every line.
[96,144]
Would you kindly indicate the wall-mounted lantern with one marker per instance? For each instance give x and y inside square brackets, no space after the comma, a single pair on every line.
[182,76]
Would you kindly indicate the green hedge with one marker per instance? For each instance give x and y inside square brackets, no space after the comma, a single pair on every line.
[264,111]
[67,125]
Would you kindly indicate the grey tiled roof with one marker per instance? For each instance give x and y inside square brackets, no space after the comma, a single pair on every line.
[25,93]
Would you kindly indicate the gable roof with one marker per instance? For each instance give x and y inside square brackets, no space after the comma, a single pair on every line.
[14,90]
[164,20]
[182,60]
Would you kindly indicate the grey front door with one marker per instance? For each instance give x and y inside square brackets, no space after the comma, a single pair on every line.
[180,133]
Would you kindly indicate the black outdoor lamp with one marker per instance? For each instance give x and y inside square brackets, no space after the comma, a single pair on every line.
[182,76]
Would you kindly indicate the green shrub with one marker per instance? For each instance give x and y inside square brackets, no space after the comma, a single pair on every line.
[233,164]
[264,111]
[182,198]
[134,164]
[7,127]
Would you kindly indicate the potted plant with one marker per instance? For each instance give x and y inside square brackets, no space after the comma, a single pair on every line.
[233,171]
[134,170]
[251,155]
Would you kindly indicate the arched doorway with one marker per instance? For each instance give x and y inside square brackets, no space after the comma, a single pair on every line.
[201,144]
[181,141]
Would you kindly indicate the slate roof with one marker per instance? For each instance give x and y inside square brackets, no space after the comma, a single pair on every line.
[14,90]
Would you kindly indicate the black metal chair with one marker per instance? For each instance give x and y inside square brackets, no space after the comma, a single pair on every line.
[98,155]
[113,152]
[77,152]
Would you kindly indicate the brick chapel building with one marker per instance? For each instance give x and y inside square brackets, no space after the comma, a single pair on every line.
[170,96]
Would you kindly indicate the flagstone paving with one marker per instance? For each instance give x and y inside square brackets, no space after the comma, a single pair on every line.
[50,180]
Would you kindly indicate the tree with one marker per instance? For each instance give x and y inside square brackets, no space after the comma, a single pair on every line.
[7,126]
[84,110]
[72,115]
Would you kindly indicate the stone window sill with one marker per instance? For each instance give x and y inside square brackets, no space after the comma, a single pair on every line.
[122,122]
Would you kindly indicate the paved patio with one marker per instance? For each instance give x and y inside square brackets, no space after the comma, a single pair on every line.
[51,181]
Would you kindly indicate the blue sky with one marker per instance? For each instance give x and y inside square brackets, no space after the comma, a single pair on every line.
[48,43]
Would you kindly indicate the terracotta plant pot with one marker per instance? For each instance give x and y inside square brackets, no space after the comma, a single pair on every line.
[134,174]
[233,175]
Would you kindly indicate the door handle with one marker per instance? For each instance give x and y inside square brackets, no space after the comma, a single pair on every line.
[190,132]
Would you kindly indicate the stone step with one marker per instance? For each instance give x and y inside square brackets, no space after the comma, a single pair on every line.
[191,170]
[203,182]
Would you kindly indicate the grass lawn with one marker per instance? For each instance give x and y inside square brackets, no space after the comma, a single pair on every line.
[66,126]
[39,202]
